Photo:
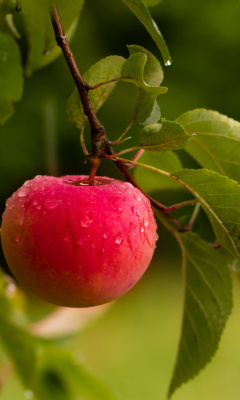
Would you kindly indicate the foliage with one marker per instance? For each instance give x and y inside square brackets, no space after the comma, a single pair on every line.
[207,176]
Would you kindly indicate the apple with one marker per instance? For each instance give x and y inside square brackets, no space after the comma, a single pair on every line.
[76,244]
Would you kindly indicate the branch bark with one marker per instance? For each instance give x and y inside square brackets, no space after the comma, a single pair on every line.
[98,134]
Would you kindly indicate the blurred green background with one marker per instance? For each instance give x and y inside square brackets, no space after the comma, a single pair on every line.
[133,346]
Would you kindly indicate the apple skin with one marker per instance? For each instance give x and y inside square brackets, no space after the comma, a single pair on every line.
[74,244]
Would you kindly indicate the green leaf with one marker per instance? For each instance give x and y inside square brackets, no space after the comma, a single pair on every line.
[216,145]
[162,137]
[11,79]
[150,182]
[40,31]
[147,110]
[105,70]
[133,71]
[15,336]
[207,305]
[219,197]
[61,378]
[140,10]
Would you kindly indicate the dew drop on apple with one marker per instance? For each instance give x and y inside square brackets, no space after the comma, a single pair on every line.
[128,184]
[146,223]
[137,197]
[23,191]
[17,238]
[86,221]
[135,211]
[21,219]
[105,235]
[142,229]
[51,204]
[118,239]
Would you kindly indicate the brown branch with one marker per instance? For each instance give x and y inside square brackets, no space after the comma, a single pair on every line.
[98,133]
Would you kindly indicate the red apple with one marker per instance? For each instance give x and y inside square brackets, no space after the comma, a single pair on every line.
[76,244]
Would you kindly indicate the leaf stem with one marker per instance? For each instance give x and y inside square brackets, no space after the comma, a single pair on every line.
[180,205]
[194,215]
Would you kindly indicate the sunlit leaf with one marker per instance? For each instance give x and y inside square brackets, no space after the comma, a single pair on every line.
[11,79]
[165,136]
[207,305]
[105,70]
[139,8]
[219,197]
[216,145]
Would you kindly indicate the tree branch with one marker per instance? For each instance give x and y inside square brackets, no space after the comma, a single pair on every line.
[98,133]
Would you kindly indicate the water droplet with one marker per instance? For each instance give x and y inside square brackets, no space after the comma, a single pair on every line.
[28,394]
[21,219]
[35,203]
[118,239]
[23,192]
[86,221]
[93,244]
[146,223]
[7,202]
[120,209]
[157,237]
[142,229]
[27,183]
[168,63]
[133,225]
[17,238]
[135,211]
[51,204]
[105,235]
[139,198]
[128,184]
